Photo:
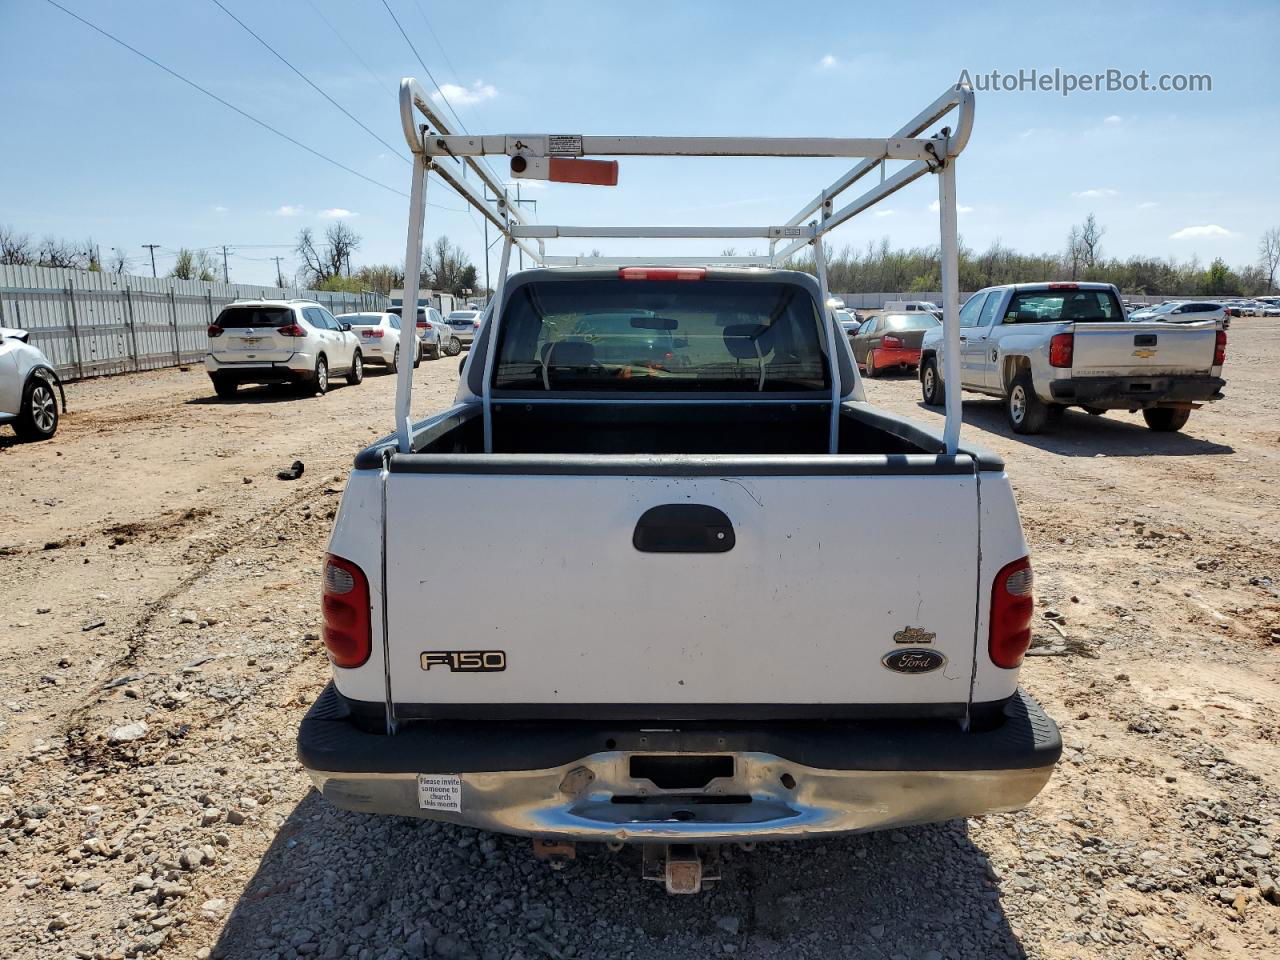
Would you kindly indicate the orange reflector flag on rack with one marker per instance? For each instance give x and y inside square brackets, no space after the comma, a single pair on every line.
[602,173]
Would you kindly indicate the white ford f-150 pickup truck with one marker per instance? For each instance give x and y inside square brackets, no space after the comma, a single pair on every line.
[678,628]
[1043,347]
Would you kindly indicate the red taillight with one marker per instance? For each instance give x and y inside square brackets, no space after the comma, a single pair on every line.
[662,273]
[1220,349]
[1062,348]
[891,343]
[1064,286]
[215,330]
[423,325]
[291,330]
[1011,609]
[344,603]
[376,334]
[475,324]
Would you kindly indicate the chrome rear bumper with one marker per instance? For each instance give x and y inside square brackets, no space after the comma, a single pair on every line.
[754,805]
[575,780]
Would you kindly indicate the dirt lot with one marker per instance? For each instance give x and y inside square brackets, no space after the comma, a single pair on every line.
[159,616]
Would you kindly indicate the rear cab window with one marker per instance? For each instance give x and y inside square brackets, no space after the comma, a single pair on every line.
[242,318]
[1078,306]
[661,335]
[919,321]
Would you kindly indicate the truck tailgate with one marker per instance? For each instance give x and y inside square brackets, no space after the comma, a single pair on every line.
[1142,349]
[827,575]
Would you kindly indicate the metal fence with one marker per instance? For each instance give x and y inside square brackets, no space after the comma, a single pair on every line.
[89,324]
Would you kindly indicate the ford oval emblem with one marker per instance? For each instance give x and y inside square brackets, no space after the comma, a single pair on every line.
[913,661]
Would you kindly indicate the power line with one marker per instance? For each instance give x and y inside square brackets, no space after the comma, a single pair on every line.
[440,90]
[279,56]
[225,103]
[355,53]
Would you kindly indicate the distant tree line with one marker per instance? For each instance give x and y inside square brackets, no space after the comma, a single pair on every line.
[326,265]
[880,267]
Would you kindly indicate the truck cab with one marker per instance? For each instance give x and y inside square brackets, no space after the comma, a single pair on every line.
[682,630]
[1044,347]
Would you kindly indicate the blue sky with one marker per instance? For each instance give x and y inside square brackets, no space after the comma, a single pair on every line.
[97,142]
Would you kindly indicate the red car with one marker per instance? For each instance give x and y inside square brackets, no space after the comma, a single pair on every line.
[891,341]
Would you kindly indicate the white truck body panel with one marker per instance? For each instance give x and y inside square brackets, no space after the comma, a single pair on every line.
[801,610]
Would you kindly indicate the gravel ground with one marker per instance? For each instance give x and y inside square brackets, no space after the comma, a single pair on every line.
[159,612]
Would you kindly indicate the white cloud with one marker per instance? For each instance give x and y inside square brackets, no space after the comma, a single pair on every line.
[289,210]
[827,62]
[960,208]
[1203,230]
[478,92]
[884,213]
[219,209]
[337,213]
[1096,194]
[1113,120]
[1147,205]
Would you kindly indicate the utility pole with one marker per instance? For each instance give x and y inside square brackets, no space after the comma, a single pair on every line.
[279,276]
[152,248]
[225,277]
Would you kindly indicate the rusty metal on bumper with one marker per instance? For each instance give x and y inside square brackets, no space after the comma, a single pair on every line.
[897,775]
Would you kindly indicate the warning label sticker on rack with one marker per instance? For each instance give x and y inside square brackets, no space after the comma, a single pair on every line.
[564,145]
[440,791]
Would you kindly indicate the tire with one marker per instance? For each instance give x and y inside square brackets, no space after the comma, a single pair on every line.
[394,365]
[320,380]
[38,416]
[435,352]
[1025,412]
[931,384]
[1166,419]
[417,354]
[224,388]
[356,374]
[454,348]
[869,365]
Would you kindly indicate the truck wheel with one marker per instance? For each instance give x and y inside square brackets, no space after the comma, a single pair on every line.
[869,365]
[1166,419]
[356,373]
[320,381]
[38,416]
[1023,408]
[224,387]
[931,384]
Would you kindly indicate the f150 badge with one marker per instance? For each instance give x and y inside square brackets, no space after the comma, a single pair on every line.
[465,661]
[913,661]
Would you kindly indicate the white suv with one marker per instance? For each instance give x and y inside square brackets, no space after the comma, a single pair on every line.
[280,341]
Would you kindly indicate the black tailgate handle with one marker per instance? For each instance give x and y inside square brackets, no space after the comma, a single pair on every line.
[1144,340]
[683,528]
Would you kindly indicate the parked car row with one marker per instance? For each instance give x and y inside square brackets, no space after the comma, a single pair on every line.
[300,343]
[1182,311]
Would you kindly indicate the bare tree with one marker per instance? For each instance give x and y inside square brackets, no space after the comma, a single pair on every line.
[1075,252]
[1269,255]
[194,265]
[1091,241]
[118,262]
[60,253]
[446,267]
[321,263]
[15,248]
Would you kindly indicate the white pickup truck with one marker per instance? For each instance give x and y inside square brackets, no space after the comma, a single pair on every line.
[680,626]
[1043,347]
